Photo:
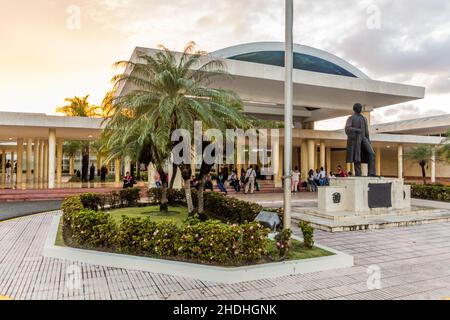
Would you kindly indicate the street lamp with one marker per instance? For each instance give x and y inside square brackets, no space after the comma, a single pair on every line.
[288,112]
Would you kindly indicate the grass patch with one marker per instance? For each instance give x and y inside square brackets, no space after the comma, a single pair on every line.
[59,236]
[175,214]
[298,251]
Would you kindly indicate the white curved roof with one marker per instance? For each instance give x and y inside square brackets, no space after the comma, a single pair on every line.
[279,46]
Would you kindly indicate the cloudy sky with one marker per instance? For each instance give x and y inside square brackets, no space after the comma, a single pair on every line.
[47,53]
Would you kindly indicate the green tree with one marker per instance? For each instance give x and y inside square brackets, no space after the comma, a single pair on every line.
[80,107]
[444,150]
[422,155]
[172,92]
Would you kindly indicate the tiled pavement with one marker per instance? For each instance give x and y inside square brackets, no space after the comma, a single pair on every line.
[414,264]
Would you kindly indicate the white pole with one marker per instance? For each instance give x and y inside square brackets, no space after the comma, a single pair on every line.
[51,158]
[288,113]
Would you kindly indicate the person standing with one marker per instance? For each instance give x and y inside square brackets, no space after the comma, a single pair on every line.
[250,178]
[92,173]
[295,179]
[312,180]
[103,173]
[8,169]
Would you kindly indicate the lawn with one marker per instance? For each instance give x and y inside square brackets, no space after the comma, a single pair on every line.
[298,251]
[176,214]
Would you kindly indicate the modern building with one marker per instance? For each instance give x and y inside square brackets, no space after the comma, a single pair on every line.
[325,87]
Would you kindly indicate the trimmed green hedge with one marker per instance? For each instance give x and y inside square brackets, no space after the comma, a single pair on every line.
[216,205]
[206,242]
[437,192]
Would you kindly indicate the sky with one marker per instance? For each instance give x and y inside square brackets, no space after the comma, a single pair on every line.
[53,49]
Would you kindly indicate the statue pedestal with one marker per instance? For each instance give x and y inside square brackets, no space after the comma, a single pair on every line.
[364,195]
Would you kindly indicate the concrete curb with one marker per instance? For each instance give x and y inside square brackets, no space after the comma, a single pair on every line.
[195,271]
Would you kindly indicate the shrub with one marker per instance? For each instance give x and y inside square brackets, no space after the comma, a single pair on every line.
[437,192]
[70,206]
[173,196]
[114,199]
[283,238]
[133,235]
[93,229]
[130,197]
[228,209]
[90,201]
[308,234]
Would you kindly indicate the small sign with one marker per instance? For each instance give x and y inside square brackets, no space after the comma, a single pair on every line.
[268,219]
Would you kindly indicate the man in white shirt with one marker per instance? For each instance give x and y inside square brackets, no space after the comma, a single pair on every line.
[250,177]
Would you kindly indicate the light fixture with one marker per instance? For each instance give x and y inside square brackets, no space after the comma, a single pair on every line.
[90,136]
[10,139]
[388,147]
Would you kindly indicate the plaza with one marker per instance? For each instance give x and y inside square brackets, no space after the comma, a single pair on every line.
[327,87]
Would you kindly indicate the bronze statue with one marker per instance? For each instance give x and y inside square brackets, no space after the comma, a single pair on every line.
[359,148]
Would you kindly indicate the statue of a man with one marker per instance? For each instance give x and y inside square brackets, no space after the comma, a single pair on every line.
[359,148]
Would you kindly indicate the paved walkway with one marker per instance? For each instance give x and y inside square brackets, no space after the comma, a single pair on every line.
[10,210]
[414,263]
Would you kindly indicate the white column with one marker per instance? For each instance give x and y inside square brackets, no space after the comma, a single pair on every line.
[276,157]
[19,161]
[433,165]
[304,160]
[400,160]
[378,161]
[127,164]
[41,160]
[151,176]
[311,154]
[322,155]
[28,157]
[36,154]
[328,160]
[3,163]
[45,160]
[51,158]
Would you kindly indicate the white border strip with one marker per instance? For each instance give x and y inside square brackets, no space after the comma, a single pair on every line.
[191,270]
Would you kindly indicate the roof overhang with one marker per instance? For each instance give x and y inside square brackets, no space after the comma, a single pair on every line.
[15,125]
[317,96]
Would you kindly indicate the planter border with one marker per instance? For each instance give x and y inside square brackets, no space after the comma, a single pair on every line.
[194,271]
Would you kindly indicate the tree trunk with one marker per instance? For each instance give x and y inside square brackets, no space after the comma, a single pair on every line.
[187,191]
[164,206]
[201,204]
[424,175]
[174,174]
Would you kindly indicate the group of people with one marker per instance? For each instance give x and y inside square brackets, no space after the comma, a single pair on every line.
[245,182]
[318,177]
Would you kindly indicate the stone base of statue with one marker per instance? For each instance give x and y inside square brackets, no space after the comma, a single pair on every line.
[364,194]
[359,203]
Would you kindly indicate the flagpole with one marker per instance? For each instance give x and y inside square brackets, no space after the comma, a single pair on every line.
[288,112]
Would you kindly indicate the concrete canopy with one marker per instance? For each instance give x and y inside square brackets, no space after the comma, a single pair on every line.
[317,96]
[15,125]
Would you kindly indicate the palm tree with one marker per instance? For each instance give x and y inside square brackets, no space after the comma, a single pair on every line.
[172,92]
[71,149]
[80,107]
[422,155]
[444,150]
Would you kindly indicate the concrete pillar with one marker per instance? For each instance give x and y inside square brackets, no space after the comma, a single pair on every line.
[400,160]
[328,160]
[277,161]
[3,163]
[378,161]
[151,176]
[311,154]
[51,158]
[322,155]
[127,164]
[28,157]
[117,167]
[19,161]
[36,161]
[280,167]
[71,166]
[304,160]
[45,161]
[59,157]
[41,160]
[349,167]
[368,117]
[433,165]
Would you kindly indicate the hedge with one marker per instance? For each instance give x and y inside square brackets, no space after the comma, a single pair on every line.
[216,205]
[206,242]
[435,192]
